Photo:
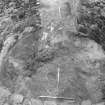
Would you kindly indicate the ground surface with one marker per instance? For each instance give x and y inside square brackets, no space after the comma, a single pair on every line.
[46,57]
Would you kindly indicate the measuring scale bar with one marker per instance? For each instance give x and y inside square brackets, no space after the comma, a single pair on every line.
[62,98]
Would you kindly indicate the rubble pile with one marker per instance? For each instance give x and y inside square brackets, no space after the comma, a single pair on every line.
[52,52]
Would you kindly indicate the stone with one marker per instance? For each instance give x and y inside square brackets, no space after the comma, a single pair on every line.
[35,102]
[28,29]
[17,98]
[6,104]
[49,103]
[4,92]
[87,102]
[102,103]
[27,102]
